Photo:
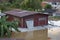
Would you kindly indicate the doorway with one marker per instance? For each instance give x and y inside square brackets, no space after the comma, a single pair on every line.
[30,24]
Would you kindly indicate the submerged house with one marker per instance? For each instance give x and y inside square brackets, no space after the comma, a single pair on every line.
[28,19]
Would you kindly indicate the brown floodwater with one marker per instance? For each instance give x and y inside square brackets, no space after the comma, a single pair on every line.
[32,35]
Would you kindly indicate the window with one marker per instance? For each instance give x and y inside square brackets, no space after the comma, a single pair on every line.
[43,18]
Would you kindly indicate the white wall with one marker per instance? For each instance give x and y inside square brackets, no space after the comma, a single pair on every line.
[56,14]
[57,6]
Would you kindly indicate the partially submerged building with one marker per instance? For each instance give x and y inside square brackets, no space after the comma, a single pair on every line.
[28,19]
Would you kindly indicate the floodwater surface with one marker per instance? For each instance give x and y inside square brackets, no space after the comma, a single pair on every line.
[32,35]
[54,33]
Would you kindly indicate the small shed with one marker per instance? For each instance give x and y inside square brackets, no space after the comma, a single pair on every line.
[28,19]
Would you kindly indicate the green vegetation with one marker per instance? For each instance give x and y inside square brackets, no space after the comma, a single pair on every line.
[48,6]
[31,5]
[54,18]
[6,27]
[34,5]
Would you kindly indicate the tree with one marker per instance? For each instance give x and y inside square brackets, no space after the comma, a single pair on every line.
[48,6]
[5,6]
[31,4]
[6,26]
[22,4]
[10,4]
[16,3]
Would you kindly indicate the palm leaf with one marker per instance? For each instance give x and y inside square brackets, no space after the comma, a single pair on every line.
[2,31]
[6,26]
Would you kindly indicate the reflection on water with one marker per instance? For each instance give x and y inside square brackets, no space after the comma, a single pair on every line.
[32,35]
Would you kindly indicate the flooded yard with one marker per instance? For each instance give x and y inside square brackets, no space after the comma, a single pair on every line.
[54,33]
[32,35]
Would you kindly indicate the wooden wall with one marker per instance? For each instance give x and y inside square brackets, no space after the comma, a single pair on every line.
[35,17]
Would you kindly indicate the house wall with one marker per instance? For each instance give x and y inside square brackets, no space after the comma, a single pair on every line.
[56,14]
[36,18]
[55,5]
[10,18]
[39,20]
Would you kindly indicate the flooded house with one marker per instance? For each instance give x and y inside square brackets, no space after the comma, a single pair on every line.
[33,22]
[28,19]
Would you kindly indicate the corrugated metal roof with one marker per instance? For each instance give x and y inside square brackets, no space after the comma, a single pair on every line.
[21,13]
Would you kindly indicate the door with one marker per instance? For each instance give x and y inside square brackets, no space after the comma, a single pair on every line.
[30,24]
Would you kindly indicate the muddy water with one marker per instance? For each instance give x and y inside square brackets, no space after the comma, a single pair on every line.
[32,35]
[54,33]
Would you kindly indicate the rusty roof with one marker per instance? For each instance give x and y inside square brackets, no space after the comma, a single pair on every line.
[53,0]
[21,13]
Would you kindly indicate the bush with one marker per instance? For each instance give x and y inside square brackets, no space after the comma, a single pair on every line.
[6,26]
[48,6]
